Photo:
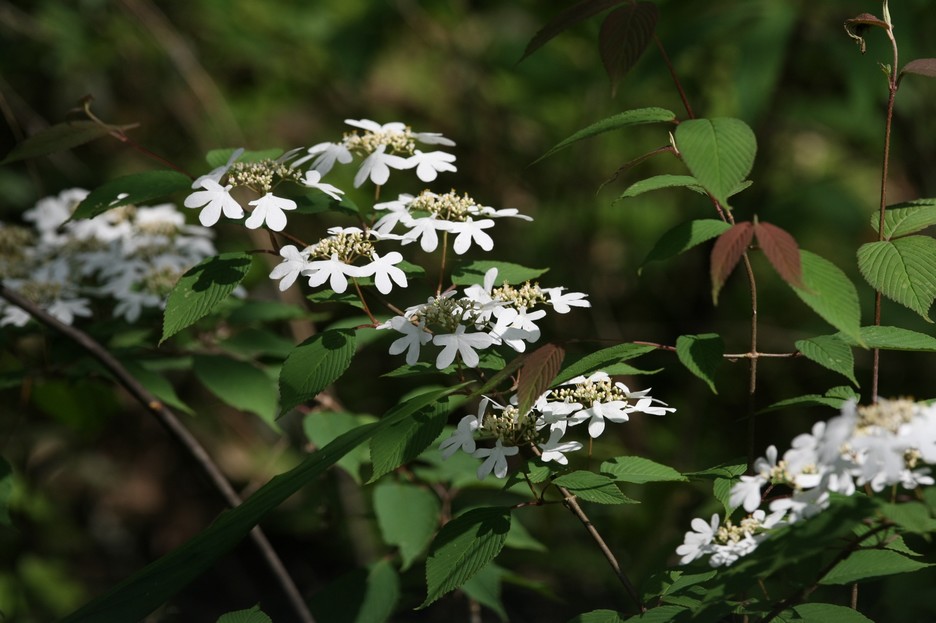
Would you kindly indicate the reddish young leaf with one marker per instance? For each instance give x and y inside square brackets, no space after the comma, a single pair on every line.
[728,249]
[537,372]
[921,66]
[625,34]
[565,20]
[856,27]
[782,251]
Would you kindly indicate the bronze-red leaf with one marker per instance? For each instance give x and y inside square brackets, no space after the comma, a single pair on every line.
[728,249]
[782,251]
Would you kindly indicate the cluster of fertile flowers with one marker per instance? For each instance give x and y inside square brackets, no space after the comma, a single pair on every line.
[591,399]
[874,447]
[382,147]
[428,214]
[484,316]
[132,254]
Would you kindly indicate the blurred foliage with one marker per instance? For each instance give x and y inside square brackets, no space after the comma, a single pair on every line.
[99,490]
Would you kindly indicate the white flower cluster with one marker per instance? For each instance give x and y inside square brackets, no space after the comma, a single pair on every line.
[132,254]
[484,316]
[591,399]
[875,446]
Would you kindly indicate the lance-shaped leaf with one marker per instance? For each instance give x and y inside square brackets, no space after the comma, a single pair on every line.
[683,237]
[131,189]
[702,355]
[782,251]
[921,67]
[893,338]
[565,20]
[830,294]
[314,365]
[639,116]
[858,25]
[536,374]
[202,289]
[60,137]
[872,563]
[727,252]
[656,183]
[251,615]
[639,470]
[903,270]
[718,152]
[462,547]
[830,352]
[593,487]
[473,272]
[625,34]
[828,613]
[602,360]
[902,219]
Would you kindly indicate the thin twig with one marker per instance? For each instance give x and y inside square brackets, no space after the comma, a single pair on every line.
[181,434]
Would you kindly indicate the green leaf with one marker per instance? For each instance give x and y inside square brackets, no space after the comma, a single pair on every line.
[156,384]
[903,270]
[871,563]
[405,440]
[238,384]
[911,516]
[656,183]
[60,137]
[602,359]
[832,398]
[625,34]
[829,613]
[6,491]
[830,294]
[250,615]
[599,616]
[728,470]
[323,427]
[660,614]
[314,365]
[683,237]
[718,152]
[134,598]
[906,218]
[702,355]
[520,538]
[892,338]
[408,516]
[639,470]
[463,547]
[471,273]
[830,352]
[593,487]
[485,588]
[624,119]
[361,596]
[131,189]
[202,289]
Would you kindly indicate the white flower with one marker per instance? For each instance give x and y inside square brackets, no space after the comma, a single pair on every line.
[216,174]
[432,138]
[332,270]
[614,410]
[698,542]
[470,231]
[562,303]
[555,451]
[462,438]
[313,179]
[294,262]
[269,209]
[215,199]
[325,155]
[425,230]
[377,167]
[429,165]
[496,459]
[462,344]
[414,336]
[384,270]
[747,493]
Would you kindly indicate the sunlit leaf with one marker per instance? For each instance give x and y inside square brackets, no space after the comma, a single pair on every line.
[131,189]
[871,563]
[656,183]
[830,352]
[593,487]
[473,272]
[314,365]
[903,270]
[702,355]
[893,338]
[602,359]
[718,152]
[830,294]
[639,470]
[906,218]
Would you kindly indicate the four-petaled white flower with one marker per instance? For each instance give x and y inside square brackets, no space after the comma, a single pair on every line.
[332,270]
[294,262]
[384,270]
[472,231]
[215,199]
[414,336]
[462,438]
[495,459]
[562,303]
[377,167]
[269,209]
[429,165]
[462,344]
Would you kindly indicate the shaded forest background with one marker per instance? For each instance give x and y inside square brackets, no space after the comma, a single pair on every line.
[103,490]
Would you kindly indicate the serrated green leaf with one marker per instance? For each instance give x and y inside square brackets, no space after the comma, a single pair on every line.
[830,294]
[600,616]
[830,352]
[658,182]
[829,613]
[903,270]
[593,487]
[408,516]
[131,189]
[702,355]
[250,615]
[365,595]
[473,272]
[718,152]
[624,119]
[829,399]
[406,440]
[134,598]
[871,563]
[463,547]
[728,470]
[911,516]
[639,470]
[323,427]
[238,384]
[684,237]
[892,338]
[721,489]
[906,218]
[602,359]
[202,289]
[314,365]
[60,137]
[485,588]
